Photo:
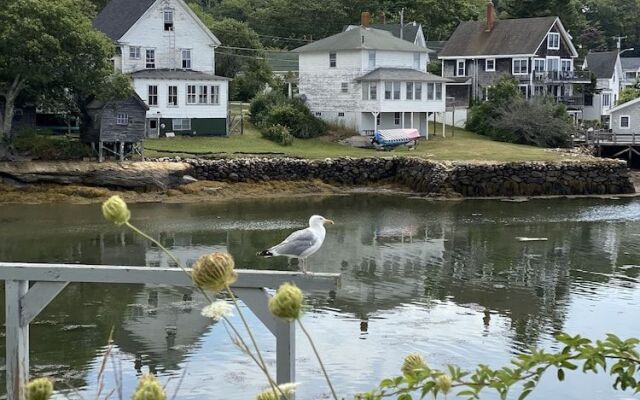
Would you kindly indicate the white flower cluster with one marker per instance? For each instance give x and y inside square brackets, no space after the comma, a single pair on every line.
[218,310]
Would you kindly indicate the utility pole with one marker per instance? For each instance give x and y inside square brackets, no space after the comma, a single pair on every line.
[619,41]
[402,23]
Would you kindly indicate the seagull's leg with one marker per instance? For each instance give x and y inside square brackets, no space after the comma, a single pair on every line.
[303,262]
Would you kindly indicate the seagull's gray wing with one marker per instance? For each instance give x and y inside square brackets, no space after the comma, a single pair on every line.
[296,243]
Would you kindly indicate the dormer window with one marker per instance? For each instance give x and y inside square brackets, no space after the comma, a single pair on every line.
[168,20]
[553,41]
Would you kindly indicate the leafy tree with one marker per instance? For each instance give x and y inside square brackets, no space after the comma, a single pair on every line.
[50,49]
[628,94]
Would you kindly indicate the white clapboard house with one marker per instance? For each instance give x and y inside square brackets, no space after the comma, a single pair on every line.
[367,79]
[607,68]
[170,54]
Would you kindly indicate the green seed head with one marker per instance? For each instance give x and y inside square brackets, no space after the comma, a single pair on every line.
[39,389]
[413,362]
[115,210]
[149,389]
[287,302]
[214,271]
[287,388]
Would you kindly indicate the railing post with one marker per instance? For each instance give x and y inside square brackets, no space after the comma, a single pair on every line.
[17,340]
[285,351]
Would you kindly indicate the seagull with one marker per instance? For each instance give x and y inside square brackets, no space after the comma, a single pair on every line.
[301,244]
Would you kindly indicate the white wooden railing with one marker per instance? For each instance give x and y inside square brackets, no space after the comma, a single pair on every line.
[23,303]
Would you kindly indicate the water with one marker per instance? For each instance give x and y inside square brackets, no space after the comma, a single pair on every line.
[417,276]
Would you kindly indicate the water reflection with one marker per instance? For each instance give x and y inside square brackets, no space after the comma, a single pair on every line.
[448,279]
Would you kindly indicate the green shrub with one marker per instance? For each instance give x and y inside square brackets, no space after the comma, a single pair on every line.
[261,105]
[53,148]
[276,109]
[278,134]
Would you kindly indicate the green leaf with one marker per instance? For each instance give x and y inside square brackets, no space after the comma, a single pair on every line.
[561,375]
[524,394]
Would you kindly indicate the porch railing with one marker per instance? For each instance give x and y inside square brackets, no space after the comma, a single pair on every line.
[562,76]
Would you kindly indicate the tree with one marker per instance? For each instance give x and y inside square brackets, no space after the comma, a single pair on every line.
[51,49]
[628,94]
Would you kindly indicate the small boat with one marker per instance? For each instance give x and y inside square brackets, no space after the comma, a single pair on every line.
[389,139]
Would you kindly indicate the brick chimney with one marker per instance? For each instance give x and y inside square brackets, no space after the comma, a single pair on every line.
[364,19]
[491,16]
[383,18]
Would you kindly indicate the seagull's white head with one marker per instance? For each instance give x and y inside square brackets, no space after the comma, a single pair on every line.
[318,220]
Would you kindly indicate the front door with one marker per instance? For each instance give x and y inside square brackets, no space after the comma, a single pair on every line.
[152,130]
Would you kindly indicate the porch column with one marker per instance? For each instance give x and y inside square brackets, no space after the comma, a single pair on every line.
[444,125]
[375,121]
[403,120]
[411,119]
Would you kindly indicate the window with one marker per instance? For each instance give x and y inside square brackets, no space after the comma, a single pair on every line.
[122,119]
[378,120]
[416,61]
[168,20]
[181,124]
[388,88]
[152,99]
[524,89]
[606,99]
[553,64]
[340,114]
[191,94]
[150,58]
[438,91]
[203,97]
[186,58]
[409,90]
[567,65]
[373,91]
[520,66]
[538,90]
[538,64]
[490,64]
[418,94]
[318,114]
[173,96]
[461,67]
[396,90]
[215,94]
[372,59]
[553,41]
[431,91]
[333,59]
[625,122]
[630,75]
[134,52]
[344,87]
[396,118]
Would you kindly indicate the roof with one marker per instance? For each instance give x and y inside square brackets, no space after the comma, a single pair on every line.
[625,105]
[630,63]
[361,38]
[118,16]
[282,61]
[508,37]
[400,74]
[183,74]
[410,31]
[602,64]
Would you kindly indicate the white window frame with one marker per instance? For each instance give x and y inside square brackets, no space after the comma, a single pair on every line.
[135,52]
[341,115]
[526,92]
[344,87]
[417,87]
[150,61]
[192,94]
[439,90]
[186,58]
[608,97]
[203,94]
[333,59]
[409,90]
[122,119]
[563,62]
[168,19]
[152,94]
[549,60]
[318,114]
[372,59]
[520,61]
[431,91]
[417,61]
[397,118]
[460,63]
[486,65]
[215,94]
[628,117]
[182,126]
[373,90]
[553,46]
[397,94]
[536,61]
[172,96]
[388,89]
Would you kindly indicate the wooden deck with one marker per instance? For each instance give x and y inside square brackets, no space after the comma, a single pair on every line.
[614,144]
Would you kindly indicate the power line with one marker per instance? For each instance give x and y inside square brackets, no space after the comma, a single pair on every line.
[257,57]
[284,38]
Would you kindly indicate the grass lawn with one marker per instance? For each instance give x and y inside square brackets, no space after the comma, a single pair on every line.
[463,146]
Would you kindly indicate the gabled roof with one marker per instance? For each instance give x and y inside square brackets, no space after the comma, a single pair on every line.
[361,38]
[409,33]
[602,64]
[183,74]
[520,36]
[400,74]
[118,16]
[630,63]
[625,105]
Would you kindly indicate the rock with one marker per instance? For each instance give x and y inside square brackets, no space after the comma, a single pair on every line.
[188,179]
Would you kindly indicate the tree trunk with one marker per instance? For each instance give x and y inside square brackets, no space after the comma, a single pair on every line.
[10,97]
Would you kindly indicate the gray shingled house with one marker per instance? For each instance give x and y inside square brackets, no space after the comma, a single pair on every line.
[537,52]
[625,118]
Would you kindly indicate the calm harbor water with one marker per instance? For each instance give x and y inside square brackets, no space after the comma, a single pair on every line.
[417,276]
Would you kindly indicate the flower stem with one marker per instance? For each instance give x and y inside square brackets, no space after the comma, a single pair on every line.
[313,346]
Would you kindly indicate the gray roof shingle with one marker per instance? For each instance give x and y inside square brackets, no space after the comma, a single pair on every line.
[630,63]
[508,37]
[409,34]
[361,38]
[184,74]
[118,16]
[401,74]
[602,64]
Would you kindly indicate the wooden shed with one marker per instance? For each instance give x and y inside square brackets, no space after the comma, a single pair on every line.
[117,127]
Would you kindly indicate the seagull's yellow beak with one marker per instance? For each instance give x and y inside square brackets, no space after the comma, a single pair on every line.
[328,221]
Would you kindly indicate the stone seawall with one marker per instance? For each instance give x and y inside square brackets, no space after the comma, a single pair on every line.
[457,178]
